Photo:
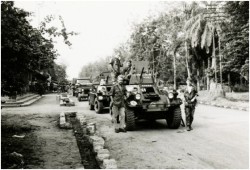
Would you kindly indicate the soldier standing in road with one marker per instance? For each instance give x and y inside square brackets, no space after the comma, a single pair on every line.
[116,67]
[190,103]
[118,93]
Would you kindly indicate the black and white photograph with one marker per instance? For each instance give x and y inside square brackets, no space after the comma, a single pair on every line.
[124,84]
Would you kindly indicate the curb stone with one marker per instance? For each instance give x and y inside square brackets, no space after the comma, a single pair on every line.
[103,157]
[62,121]
[109,164]
[223,106]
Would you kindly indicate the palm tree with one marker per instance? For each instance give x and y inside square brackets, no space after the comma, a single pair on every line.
[201,34]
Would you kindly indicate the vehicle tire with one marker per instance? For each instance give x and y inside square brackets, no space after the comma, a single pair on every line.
[91,107]
[130,119]
[98,106]
[174,118]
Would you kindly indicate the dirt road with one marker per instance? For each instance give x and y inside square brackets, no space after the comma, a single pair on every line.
[219,139]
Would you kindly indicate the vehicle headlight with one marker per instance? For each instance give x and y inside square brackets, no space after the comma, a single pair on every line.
[170,95]
[138,96]
[133,103]
[100,97]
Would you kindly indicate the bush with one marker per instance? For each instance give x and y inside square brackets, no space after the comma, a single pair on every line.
[240,88]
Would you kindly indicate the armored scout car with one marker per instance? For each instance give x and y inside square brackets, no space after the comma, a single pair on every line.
[145,101]
[99,98]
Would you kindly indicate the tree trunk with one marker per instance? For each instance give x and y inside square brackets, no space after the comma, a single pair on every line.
[174,63]
[198,80]
[188,69]
[203,75]
[215,66]
[208,80]
[220,64]
[229,81]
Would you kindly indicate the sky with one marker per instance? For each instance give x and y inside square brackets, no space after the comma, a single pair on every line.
[102,26]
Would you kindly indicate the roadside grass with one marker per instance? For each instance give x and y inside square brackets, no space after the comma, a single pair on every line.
[239,99]
[18,126]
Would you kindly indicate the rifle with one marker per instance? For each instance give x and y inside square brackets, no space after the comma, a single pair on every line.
[142,70]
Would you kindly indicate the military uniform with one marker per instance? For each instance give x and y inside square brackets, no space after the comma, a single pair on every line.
[116,65]
[190,94]
[118,109]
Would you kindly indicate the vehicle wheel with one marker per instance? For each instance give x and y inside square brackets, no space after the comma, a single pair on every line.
[174,118]
[91,107]
[98,106]
[130,119]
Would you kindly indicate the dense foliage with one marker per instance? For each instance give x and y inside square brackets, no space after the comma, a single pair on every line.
[236,40]
[25,50]
[189,39]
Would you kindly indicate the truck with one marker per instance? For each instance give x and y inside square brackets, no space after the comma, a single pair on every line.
[145,101]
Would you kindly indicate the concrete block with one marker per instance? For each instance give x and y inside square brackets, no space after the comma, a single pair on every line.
[96,140]
[109,164]
[91,128]
[97,147]
[61,103]
[103,151]
[62,120]
[101,157]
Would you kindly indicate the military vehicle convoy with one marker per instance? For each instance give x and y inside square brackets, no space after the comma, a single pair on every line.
[82,88]
[99,98]
[145,101]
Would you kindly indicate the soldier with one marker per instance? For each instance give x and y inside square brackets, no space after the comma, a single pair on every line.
[115,66]
[128,71]
[118,93]
[190,103]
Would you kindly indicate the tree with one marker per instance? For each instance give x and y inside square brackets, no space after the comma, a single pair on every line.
[236,41]
[202,35]
[23,48]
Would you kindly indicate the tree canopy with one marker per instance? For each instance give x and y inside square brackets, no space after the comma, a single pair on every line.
[25,48]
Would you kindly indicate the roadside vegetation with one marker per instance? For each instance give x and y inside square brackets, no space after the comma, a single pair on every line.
[28,53]
[206,41]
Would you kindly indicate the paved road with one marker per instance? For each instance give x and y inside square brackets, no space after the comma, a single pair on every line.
[219,140]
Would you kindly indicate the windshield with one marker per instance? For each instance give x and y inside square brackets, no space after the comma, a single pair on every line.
[83,81]
[146,79]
